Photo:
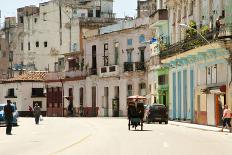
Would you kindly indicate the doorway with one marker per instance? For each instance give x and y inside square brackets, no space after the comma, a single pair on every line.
[94,114]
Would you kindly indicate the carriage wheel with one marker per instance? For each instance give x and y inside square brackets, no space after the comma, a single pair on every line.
[141,126]
[147,120]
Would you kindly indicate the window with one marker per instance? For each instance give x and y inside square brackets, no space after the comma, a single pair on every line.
[129,56]
[74,12]
[45,44]
[10,92]
[211,74]
[71,64]
[74,47]
[37,92]
[179,16]
[44,16]
[11,56]
[106,55]
[141,39]
[116,92]
[60,64]
[116,52]
[191,5]
[29,46]
[223,13]
[35,20]
[161,4]
[162,79]
[37,44]
[90,13]
[70,92]
[129,90]
[21,19]
[106,46]
[142,88]
[185,12]
[21,46]
[129,41]
[37,102]
[82,14]
[98,13]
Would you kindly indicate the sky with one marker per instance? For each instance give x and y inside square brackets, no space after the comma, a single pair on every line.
[121,7]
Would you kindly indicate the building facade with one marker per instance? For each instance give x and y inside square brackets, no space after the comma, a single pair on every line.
[43,34]
[198,91]
[24,91]
[117,66]
[4,58]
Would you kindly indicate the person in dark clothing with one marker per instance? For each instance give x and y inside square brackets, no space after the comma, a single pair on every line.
[70,109]
[8,111]
[218,25]
[37,113]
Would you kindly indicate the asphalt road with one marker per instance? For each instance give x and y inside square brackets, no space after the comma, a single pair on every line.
[109,136]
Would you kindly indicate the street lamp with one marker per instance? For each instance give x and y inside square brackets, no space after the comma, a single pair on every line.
[187,26]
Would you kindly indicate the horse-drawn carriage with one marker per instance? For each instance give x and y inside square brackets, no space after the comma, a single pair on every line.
[135,111]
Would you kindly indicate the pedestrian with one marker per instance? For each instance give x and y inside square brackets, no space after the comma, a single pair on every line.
[8,111]
[226,118]
[37,113]
[218,26]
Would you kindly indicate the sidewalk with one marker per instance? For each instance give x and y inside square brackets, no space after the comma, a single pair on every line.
[197,126]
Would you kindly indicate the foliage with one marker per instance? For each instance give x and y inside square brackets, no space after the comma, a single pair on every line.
[204,30]
[190,32]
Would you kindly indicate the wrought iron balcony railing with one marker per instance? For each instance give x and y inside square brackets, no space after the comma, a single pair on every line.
[134,66]
[139,66]
[92,71]
[194,42]
[128,66]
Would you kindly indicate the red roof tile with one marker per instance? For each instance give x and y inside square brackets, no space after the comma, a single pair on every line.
[29,76]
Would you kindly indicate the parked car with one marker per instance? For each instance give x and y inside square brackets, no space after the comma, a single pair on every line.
[15,115]
[156,113]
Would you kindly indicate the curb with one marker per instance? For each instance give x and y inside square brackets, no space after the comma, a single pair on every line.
[196,126]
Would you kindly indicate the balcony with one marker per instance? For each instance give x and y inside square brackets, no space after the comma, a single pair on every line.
[194,42]
[96,21]
[134,66]
[158,17]
[108,71]
[92,71]
[181,46]
[139,66]
[75,73]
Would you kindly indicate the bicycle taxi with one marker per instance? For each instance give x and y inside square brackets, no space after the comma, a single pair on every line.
[135,111]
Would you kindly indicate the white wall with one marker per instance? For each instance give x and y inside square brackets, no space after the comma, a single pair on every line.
[23,92]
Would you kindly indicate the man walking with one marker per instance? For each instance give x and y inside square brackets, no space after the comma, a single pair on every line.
[8,111]
[37,113]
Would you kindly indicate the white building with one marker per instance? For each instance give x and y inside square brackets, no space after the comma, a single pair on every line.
[116,61]
[24,91]
[203,12]
[43,34]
